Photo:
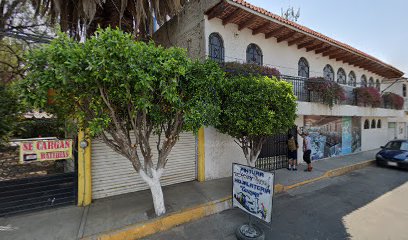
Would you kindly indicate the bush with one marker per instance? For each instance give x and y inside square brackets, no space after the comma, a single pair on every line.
[245,69]
[330,92]
[44,127]
[367,96]
[10,110]
[393,100]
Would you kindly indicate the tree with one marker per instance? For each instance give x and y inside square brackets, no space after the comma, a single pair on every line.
[9,112]
[81,18]
[125,91]
[253,108]
[20,29]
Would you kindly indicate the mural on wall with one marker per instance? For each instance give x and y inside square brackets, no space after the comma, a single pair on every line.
[333,136]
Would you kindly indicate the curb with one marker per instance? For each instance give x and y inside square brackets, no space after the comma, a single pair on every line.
[183,216]
[166,222]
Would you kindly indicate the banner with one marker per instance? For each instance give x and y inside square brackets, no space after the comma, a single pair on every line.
[252,191]
[45,150]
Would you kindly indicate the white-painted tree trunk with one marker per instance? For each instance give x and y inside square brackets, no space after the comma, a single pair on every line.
[156,190]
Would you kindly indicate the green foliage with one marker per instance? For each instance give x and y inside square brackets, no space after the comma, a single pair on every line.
[43,127]
[255,106]
[245,69]
[112,72]
[9,112]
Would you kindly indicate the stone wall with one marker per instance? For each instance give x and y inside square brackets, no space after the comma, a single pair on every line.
[10,168]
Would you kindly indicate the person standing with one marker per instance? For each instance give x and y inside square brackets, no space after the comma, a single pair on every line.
[307,149]
[292,152]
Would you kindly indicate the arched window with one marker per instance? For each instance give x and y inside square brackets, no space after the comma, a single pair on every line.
[303,68]
[379,123]
[373,123]
[352,79]
[216,47]
[378,84]
[366,124]
[328,73]
[371,82]
[254,54]
[341,76]
[363,81]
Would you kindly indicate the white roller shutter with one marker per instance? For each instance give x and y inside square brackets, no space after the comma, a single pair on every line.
[113,174]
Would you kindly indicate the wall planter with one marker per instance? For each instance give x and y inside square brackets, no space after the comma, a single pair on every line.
[328,92]
[367,97]
[392,100]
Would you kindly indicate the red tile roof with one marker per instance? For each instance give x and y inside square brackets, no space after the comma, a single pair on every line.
[396,72]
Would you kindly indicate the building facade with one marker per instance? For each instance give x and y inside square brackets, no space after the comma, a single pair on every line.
[233,30]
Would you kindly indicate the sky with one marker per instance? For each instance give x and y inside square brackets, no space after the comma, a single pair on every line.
[376,27]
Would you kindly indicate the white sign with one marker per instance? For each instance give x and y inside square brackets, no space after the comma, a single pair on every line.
[252,191]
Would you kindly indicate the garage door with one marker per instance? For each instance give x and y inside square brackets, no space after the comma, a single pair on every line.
[113,174]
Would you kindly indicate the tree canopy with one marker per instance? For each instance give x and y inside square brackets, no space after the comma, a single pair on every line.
[125,91]
[255,107]
[79,16]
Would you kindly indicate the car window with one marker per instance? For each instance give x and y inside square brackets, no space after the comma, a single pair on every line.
[404,146]
[393,145]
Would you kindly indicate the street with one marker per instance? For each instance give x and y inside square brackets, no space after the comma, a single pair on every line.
[365,204]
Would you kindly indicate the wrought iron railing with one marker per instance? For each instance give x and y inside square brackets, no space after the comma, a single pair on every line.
[303,94]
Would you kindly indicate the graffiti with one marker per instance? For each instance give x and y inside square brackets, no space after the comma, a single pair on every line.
[333,136]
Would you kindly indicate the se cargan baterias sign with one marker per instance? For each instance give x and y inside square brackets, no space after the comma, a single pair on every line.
[45,150]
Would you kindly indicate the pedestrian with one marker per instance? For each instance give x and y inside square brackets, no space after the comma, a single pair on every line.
[307,149]
[292,152]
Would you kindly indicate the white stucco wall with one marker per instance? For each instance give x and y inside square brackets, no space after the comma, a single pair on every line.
[307,108]
[373,138]
[279,55]
[220,152]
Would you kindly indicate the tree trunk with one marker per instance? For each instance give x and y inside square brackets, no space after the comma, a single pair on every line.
[156,189]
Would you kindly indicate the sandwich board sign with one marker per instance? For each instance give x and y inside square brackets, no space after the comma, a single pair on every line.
[253,191]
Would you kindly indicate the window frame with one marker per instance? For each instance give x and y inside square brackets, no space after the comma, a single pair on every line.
[350,81]
[211,46]
[327,68]
[306,65]
[341,72]
[255,50]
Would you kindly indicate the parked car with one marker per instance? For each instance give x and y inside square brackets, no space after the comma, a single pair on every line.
[394,154]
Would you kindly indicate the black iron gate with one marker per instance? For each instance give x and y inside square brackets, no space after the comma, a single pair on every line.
[36,186]
[274,153]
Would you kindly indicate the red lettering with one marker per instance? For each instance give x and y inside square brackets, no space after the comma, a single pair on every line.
[27,146]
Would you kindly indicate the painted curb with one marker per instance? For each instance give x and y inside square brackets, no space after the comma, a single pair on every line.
[171,220]
[166,222]
[332,173]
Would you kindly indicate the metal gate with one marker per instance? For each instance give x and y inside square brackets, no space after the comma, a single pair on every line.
[35,186]
[274,153]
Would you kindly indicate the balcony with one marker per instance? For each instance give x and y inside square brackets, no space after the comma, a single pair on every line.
[304,94]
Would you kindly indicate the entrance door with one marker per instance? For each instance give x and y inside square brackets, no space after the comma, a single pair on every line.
[274,153]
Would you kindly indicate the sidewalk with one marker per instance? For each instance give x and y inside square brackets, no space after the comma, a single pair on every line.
[135,209]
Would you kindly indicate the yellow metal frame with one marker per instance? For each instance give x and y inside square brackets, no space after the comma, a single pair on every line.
[84,171]
[201,156]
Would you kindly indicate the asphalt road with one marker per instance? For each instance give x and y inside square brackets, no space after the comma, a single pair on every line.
[371,203]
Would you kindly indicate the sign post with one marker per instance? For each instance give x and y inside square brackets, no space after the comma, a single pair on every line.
[252,192]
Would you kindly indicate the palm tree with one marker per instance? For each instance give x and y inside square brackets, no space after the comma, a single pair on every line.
[82,17]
